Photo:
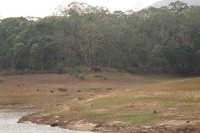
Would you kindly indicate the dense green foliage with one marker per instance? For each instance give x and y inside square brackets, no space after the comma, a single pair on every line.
[163,39]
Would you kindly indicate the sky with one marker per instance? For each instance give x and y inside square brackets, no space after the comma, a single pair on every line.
[42,8]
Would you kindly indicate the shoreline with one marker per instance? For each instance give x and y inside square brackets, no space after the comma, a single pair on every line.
[83,125]
[18,118]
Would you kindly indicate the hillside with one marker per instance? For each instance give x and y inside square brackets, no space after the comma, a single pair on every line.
[167,2]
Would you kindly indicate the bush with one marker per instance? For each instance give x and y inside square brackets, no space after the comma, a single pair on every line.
[60,68]
[81,77]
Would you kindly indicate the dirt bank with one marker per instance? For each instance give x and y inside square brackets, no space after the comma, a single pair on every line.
[114,127]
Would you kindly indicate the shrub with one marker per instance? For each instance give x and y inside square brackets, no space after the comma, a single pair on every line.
[60,68]
[81,77]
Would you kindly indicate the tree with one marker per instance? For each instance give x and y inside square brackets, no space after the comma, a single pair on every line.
[160,39]
[184,60]
[9,29]
[178,7]
[20,56]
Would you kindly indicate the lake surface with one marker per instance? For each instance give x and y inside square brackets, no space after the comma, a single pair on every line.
[9,119]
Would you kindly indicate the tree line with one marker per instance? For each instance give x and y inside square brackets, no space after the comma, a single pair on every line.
[163,39]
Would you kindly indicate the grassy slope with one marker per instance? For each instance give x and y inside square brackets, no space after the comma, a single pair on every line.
[121,98]
[175,102]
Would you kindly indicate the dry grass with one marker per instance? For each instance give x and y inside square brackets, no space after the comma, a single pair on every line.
[133,99]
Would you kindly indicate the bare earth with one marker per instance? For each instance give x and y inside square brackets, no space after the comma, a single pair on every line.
[118,103]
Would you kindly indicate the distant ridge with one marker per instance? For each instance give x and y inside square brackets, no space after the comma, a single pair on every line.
[167,2]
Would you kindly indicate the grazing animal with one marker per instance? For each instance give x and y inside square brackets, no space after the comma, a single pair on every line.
[96,69]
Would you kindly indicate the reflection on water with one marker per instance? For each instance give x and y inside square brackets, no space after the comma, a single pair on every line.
[9,118]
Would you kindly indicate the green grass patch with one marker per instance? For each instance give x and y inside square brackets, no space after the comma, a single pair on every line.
[112,101]
[138,118]
[132,118]
[119,108]
[116,109]
[99,116]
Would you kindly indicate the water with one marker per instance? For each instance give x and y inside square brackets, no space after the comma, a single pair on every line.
[9,119]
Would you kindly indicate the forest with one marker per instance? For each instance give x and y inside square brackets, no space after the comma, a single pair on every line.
[157,40]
